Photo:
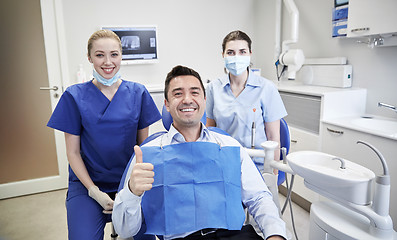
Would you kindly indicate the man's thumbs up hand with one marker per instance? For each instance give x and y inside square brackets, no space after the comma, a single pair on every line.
[142,175]
[138,154]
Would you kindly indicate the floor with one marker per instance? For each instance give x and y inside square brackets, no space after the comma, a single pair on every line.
[43,216]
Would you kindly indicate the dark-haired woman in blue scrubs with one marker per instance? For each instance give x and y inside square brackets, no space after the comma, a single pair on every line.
[103,120]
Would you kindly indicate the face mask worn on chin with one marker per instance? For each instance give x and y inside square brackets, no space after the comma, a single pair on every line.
[104,81]
[237,64]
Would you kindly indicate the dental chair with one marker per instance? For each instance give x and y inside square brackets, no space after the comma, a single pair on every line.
[167,121]
[285,142]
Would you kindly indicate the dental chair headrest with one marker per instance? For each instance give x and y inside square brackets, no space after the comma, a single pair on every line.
[167,119]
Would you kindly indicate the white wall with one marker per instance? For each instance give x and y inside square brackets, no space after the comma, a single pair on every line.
[191,32]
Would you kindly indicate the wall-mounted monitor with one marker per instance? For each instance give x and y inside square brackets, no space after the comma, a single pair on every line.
[139,44]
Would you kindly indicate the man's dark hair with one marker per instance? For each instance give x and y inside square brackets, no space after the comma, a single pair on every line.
[180,71]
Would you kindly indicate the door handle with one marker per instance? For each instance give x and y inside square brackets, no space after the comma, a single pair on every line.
[363,29]
[55,88]
[334,131]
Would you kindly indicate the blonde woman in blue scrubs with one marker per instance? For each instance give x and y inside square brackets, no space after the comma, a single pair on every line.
[103,119]
[240,98]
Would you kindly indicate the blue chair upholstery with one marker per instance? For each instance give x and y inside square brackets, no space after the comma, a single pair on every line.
[285,141]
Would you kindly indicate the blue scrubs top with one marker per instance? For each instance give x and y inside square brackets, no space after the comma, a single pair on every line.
[107,129]
[235,115]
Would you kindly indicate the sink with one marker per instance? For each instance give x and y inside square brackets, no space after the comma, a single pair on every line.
[325,176]
[388,127]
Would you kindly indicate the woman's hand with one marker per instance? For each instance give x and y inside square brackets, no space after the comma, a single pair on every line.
[102,198]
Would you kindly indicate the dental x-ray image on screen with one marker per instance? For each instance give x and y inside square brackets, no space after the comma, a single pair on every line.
[130,43]
[139,44]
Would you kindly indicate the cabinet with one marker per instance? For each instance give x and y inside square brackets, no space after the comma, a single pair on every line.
[302,140]
[304,110]
[303,118]
[306,106]
[342,142]
[369,17]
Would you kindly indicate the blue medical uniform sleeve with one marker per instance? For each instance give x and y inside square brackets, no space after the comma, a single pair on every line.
[149,111]
[66,116]
[272,104]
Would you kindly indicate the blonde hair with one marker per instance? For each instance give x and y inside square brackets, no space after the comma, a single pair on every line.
[104,33]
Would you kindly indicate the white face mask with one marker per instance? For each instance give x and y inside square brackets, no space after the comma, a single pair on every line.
[236,65]
[104,81]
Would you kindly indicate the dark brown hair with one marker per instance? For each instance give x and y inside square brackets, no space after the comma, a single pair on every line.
[236,35]
[180,71]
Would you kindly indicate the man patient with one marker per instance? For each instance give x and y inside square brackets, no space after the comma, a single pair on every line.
[191,182]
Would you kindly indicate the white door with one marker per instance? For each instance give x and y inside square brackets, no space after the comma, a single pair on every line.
[32,156]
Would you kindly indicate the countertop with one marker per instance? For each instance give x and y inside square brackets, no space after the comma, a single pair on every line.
[370,128]
[343,108]
[298,87]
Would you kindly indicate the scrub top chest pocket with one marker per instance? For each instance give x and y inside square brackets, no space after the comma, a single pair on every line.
[236,115]
[111,124]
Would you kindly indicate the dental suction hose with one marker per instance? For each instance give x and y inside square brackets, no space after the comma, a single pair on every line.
[381,199]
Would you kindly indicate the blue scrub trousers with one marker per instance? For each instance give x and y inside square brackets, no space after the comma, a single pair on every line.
[85,217]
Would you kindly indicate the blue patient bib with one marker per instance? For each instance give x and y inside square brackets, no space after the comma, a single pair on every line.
[196,185]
